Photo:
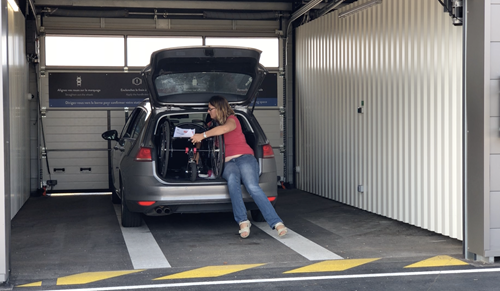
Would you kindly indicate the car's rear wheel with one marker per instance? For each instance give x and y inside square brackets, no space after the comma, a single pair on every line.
[129,218]
[115,199]
[257,216]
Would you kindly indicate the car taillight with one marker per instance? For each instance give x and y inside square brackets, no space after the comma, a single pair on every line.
[146,203]
[144,154]
[267,151]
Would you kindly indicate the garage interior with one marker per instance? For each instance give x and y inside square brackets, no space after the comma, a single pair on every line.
[387,106]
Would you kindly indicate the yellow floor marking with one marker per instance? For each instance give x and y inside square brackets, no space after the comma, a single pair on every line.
[331,266]
[438,261]
[34,284]
[85,278]
[210,271]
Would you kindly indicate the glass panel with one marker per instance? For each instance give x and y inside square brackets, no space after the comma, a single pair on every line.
[269,47]
[84,51]
[213,82]
[139,49]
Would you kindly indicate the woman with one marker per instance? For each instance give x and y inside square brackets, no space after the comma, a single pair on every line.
[241,166]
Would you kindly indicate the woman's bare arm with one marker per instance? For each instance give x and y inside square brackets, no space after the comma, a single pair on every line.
[230,125]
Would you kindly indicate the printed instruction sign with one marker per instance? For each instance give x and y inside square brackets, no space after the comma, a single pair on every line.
[268,92]
[96,89]
[183,132]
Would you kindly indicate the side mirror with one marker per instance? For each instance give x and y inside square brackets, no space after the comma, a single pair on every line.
[110,135]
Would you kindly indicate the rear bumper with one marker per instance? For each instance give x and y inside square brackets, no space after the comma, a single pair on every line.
[160,210]
[209,196]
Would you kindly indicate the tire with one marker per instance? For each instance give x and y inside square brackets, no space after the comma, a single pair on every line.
[129,219]
[257,216]
[216,147]
[163,154]
[115,199]
[194,171]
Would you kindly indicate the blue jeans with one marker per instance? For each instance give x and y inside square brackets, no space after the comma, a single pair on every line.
[246,169]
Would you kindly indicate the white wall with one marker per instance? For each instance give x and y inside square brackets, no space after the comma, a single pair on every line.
[19,112]
[482,72]
[403,60]
[494,126]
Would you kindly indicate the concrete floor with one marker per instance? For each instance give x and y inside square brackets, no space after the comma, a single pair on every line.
[55,238]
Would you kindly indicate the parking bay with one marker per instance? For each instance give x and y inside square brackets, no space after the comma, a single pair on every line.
[62,240]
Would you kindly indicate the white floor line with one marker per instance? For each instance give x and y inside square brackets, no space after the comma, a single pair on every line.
[288,279]
[304,247]
[142,246]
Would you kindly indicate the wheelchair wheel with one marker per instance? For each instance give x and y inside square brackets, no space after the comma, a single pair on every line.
[216,155]
[163,154]
[194,171]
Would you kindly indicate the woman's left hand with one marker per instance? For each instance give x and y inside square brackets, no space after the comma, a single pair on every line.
[197,137]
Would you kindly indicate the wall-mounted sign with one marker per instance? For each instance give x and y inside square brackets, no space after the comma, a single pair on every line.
[121,90]
[96,89]
[268,92]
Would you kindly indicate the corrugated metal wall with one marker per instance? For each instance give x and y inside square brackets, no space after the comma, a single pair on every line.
[402,60]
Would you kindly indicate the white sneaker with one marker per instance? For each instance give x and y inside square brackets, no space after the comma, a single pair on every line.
[208,175]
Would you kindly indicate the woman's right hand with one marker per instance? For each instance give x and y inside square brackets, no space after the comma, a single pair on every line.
[196,138]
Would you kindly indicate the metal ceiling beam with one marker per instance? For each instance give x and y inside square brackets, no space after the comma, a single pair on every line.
[329,7]
[198,5]
[304,9]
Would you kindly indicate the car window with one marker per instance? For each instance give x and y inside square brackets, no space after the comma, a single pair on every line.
[134,124]
[139,124]
[200,82]
[128,123]
[190,118]
[245,127]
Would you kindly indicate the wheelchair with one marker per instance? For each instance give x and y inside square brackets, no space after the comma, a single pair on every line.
[178,155]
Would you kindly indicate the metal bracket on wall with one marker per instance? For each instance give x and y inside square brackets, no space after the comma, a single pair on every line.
[282,110]
[43,112]
[282,149]
[456,10]
[43,152]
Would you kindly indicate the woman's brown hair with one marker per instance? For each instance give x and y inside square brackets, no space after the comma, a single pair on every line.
[223,109]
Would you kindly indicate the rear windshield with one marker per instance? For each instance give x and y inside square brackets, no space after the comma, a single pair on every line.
[201,82]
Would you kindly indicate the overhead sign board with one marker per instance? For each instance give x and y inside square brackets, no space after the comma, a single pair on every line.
[96,89]
[121,90]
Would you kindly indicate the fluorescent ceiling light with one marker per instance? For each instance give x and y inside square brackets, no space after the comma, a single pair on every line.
[359,8]
[13,5]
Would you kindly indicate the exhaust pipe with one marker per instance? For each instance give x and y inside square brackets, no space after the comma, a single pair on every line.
[159,210]
[163,210]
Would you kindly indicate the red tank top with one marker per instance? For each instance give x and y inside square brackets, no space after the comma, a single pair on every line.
[235,142]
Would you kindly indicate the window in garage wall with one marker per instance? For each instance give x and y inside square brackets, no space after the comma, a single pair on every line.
[109,51]
[268,45]
[84,51]
[139,48]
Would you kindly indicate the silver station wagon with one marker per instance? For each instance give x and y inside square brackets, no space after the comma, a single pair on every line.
[155,169]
